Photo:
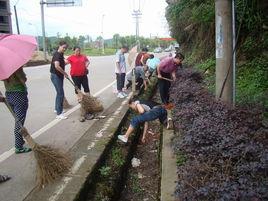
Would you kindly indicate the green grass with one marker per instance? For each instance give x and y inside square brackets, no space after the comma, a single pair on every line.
[94,52]
[105,171]
[135,184]
[117,157]
[180,159]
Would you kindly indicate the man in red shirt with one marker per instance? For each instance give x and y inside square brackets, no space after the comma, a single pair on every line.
[167,69]
[138,61]
[79,64]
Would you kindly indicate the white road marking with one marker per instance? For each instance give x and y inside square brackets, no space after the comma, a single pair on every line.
[91,146]
[77,164]
[60,189]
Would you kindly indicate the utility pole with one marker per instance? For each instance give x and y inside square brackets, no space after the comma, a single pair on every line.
[102,34]
[224,51]
[234,52]
[136,15]
[43,29]
[16,17]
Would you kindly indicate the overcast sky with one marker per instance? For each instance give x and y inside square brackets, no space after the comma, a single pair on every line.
[87,20]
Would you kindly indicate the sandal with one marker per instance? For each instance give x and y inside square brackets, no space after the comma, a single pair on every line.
[4,178]
[22,150]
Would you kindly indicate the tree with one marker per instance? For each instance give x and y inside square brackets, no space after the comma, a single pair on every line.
[81,41]
[116,40]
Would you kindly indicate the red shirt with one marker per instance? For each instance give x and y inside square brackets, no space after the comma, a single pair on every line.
[78,64]
[138,59]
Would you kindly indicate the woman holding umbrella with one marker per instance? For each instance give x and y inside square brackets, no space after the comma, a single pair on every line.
[57,68]
[17,98]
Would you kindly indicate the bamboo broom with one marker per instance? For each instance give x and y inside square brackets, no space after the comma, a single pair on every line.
[89,102]
[51,163]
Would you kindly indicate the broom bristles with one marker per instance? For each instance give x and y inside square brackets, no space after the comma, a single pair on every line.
[91,104]
[51,164]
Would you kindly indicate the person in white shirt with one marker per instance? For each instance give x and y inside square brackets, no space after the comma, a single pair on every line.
[120,71]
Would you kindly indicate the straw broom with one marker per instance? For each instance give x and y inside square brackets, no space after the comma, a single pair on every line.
[51,162]
[88,102]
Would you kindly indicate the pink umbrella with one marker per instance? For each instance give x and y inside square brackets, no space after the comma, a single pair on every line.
[15,51]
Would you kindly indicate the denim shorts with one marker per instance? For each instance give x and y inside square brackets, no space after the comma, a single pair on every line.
[157,112]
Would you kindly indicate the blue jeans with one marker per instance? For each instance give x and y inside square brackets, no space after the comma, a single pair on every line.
[58,84]
[156,112]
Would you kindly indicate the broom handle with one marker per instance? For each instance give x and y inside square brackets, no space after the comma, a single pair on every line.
[163,78]
[24,131]
[76,88]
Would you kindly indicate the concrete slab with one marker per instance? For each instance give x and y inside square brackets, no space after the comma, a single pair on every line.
[169,168]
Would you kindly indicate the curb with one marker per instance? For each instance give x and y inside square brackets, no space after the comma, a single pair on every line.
[168,167]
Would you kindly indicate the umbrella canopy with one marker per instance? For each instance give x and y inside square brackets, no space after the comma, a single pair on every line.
[15,51]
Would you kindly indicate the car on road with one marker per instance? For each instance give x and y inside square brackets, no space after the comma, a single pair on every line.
[157,50]
[168,49]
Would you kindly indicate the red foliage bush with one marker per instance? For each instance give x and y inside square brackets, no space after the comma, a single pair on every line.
[225,149]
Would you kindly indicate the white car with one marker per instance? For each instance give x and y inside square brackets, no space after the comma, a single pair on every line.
[157,50]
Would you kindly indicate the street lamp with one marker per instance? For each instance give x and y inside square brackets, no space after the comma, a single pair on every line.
[36,29]
[102,34]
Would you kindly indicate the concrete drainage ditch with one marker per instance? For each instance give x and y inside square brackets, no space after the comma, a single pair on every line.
[110,175]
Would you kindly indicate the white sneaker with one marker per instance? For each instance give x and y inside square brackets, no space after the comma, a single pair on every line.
[122,138]
[120,95]
[124,94]
[61,116]
[169,124]
[63,111]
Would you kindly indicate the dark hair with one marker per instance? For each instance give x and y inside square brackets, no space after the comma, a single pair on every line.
[76,47]
[61,43]
[124,47]
[131,100]
[179,56]
[144,49]
[151,56]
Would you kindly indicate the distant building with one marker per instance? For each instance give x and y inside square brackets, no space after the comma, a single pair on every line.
[5,17]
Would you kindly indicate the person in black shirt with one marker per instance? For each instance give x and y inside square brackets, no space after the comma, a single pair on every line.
[57,70]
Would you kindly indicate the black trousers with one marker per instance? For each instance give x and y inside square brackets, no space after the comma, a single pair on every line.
[120,79]
[164,86]
[81,80]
